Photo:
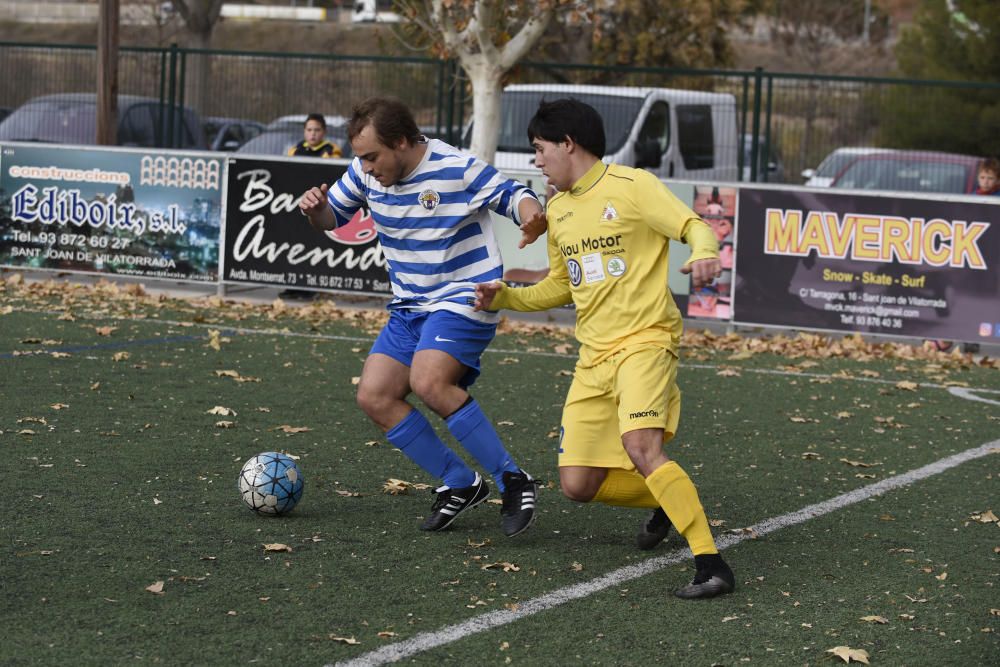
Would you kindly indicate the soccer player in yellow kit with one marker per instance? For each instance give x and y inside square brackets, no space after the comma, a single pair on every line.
[609,231]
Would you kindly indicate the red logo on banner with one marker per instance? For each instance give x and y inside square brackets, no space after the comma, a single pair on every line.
[360,230]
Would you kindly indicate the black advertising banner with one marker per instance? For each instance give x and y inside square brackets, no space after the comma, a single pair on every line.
[126,212]
[268,241]
[877,264]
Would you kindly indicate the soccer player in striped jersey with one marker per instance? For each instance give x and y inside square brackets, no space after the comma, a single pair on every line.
[431,206]
[609,233]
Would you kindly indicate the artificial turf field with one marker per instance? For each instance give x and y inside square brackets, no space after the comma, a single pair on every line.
[117,476]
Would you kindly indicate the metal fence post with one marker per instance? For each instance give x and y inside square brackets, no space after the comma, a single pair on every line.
[767,128]
[167,119]
[755,141]
[163,92]
[741,137]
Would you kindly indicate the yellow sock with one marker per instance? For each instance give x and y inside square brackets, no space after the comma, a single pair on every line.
[679,499]
[625,488]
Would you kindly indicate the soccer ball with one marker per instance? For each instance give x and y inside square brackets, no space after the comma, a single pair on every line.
[270,483]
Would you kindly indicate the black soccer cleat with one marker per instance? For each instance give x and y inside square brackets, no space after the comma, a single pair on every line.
[519,494]
[713,577]
[654,530]
[452,502]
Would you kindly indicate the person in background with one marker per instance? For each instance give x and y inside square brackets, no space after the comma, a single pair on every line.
[988,178]
[609,230]
[314,142]
[432,206]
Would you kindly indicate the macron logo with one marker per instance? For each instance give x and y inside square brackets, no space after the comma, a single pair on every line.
[644,413]
[443,340]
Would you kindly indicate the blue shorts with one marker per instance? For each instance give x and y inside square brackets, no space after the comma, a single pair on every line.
[409,331]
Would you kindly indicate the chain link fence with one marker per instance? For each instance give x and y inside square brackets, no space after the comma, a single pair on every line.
[785,123]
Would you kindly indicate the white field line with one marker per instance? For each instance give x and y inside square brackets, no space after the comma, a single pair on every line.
[428,640]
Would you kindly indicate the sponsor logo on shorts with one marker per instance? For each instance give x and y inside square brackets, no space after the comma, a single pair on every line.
[644,413]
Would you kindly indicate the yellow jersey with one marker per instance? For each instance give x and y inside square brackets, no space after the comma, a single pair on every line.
[608,240]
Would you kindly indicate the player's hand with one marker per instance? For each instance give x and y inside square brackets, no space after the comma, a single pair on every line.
[313,201]
[485,293]
[532,228]
[703,271]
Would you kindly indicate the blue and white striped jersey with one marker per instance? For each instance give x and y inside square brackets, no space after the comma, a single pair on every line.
[434,226]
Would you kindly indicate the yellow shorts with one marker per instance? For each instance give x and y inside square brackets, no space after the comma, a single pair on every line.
[634,388]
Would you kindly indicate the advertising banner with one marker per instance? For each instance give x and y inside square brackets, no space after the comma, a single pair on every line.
[268,240]
[871,263]
[155,215]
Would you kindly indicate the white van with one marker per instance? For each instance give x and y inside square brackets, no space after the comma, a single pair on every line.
[683,134]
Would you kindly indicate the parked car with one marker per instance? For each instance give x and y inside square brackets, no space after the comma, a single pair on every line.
[823,175]
[284,132]
[775,171]
[689,134]
[228,134]
[910,171]
[71,118]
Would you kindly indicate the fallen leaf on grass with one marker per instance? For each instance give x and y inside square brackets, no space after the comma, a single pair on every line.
[881,620]
[394,487]
[214,341]
[236,376]
[58,406]
[157,501]
[345,640]
[505,566]
[105,331]
[385,634]
[277,546]
[285,428]
[857,464]
[906,385]
[505,423]
[348,494]
[156,588]
[942,576]
[222,410]
[985,517]
[508,360]
[576,567]
[479,545]
[120,356]
[728,372]
[848,654]
[225,424]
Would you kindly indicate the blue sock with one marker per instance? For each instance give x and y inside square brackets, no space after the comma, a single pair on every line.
[414,437]
[471,428]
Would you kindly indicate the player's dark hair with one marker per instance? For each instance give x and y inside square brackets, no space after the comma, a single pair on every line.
[318,117]
[569,117]
[390,118]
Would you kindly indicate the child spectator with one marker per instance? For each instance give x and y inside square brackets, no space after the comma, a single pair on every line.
[988,178]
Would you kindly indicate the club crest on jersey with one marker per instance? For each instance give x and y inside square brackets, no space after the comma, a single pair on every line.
[609,212]
[429,199]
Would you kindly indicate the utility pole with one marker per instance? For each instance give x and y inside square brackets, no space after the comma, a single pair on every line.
[107,73]
[865,34]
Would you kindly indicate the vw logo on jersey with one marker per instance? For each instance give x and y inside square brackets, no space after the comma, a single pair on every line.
[429,199]
[575,272]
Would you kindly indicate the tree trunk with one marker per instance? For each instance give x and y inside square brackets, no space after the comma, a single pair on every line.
[487,87]
[197,93]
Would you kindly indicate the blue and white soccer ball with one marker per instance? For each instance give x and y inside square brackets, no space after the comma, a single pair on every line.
[270,483]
